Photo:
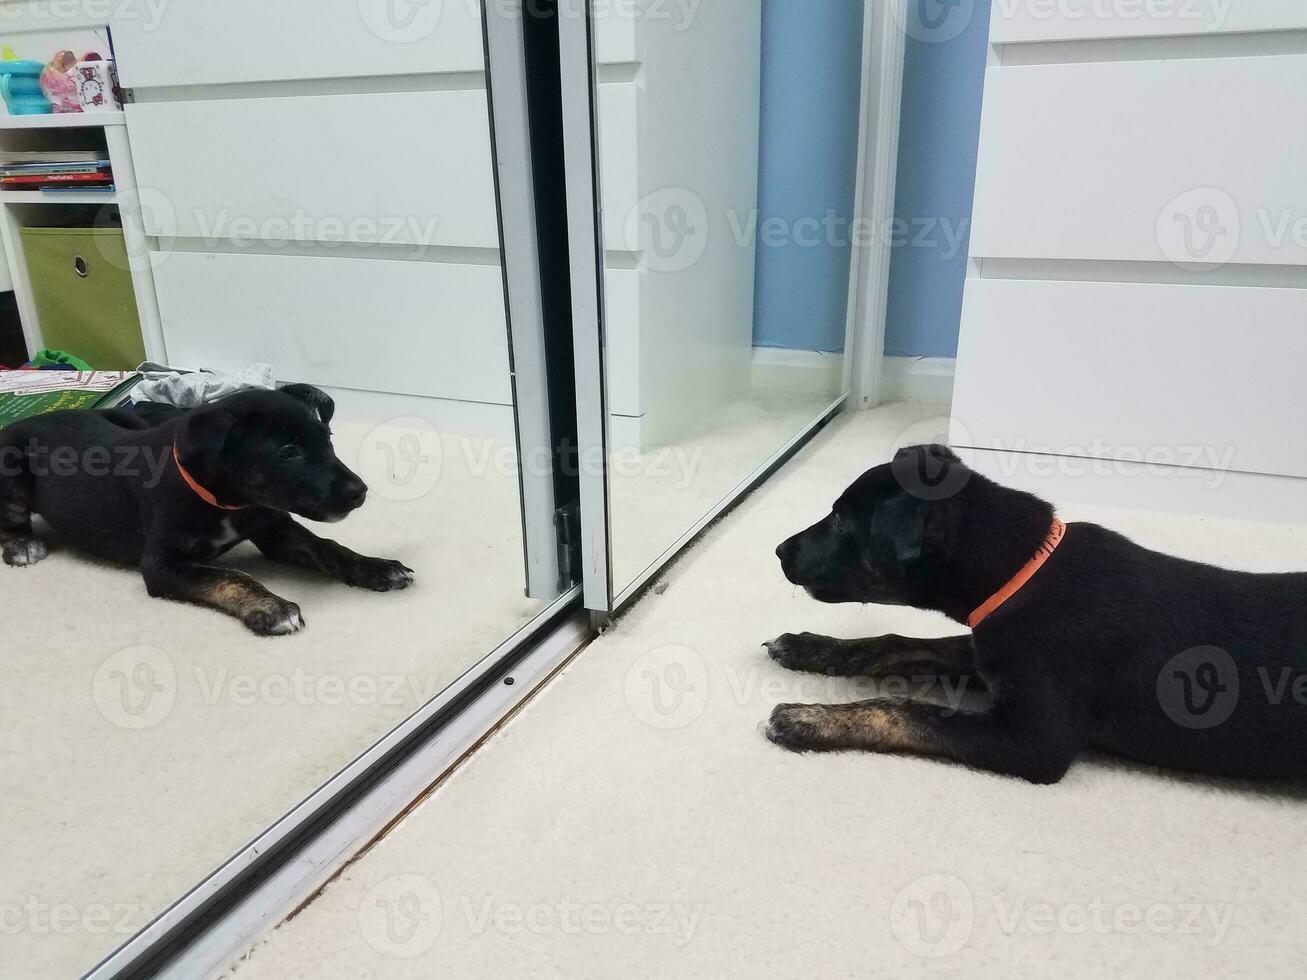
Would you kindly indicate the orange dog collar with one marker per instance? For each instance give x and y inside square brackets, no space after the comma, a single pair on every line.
[191,482]
[1015,584]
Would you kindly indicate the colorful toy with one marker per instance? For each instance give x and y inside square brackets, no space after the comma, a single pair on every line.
[59,83]
[20,84]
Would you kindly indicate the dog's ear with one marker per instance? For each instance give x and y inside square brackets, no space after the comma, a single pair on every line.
[203,437]
[318,400]
[933,451]
[901,520]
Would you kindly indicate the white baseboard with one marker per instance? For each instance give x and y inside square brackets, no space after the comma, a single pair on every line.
[918,379]
[800,371]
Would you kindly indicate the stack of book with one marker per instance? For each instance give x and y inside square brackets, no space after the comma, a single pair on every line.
[27,393]
[55,170]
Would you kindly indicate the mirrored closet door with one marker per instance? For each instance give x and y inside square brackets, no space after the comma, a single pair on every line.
[712,242]
[320,202]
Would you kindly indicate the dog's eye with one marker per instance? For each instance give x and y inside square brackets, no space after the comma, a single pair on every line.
[289,452]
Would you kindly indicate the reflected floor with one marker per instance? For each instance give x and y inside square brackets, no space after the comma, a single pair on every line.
[126,781]
[658,495]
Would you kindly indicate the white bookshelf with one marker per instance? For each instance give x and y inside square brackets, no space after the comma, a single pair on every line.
[64,120]
[19,209]
[58,197]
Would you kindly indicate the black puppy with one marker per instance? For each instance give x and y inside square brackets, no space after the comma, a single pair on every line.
[170,490]
[1079,637]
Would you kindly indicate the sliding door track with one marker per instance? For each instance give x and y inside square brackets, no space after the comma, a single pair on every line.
[300,853]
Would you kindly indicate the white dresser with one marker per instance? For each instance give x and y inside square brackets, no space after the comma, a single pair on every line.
[1139,255]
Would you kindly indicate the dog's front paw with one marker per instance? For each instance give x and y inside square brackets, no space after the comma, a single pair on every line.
[380,575]
[273,617]
[24,552]
[801,651]
[798,727]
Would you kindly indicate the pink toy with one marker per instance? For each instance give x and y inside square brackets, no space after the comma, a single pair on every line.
[59,83]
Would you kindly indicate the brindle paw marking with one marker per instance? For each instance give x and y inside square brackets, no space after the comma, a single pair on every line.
[800,651]
[274,618]
[380,575]
[24,552]
[800,727]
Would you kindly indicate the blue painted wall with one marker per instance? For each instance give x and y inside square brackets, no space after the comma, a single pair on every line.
[811,70]
[943,79]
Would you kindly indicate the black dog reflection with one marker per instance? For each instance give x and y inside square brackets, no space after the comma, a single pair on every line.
[170,490]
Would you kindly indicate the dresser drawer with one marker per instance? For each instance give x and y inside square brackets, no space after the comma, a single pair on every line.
[400,168]
[204,42]
[1204,376]
[1188,161]
[413,328]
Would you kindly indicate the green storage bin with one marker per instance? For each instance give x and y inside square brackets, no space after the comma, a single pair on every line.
[82,286]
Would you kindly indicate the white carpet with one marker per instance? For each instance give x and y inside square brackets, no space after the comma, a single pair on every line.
[633,821]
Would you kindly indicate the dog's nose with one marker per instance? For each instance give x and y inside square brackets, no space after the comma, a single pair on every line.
[785,549]
[355,492]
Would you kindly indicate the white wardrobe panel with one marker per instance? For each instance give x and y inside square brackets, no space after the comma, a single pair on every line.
[404,168]
[1186,160]
[1212,375]
[413,328]
[1062,20]
[200,42]
[622,341]
[620,163]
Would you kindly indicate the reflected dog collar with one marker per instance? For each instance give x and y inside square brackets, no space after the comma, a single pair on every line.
[194,484]
[1055,535]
